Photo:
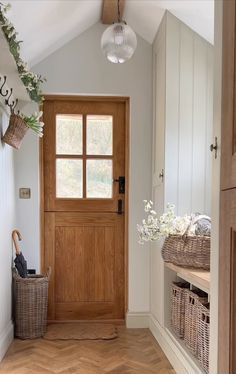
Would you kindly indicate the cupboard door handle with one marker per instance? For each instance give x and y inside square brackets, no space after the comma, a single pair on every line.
[214,147]
[161,175]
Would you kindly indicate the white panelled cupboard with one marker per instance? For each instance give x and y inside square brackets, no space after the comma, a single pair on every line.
[182,134]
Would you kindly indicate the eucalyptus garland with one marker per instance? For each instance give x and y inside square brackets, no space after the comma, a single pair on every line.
[30,80]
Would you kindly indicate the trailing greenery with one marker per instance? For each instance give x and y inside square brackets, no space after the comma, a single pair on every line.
[34,123]
[30,80]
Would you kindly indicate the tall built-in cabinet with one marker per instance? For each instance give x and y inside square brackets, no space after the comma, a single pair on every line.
[182,134]
[227,266]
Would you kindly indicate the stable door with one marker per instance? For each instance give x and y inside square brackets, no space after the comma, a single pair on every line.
[84,158]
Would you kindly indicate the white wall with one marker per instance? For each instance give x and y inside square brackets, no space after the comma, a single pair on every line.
[26,162]
[80,68]
[7,223]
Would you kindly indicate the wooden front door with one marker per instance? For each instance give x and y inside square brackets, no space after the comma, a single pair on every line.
[83,159]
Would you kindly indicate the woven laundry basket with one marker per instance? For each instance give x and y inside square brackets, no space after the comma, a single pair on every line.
[30,305]
[178,307]
[204,336]
[193,301]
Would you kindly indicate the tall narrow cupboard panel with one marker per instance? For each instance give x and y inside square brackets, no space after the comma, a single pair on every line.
[172,111]
[185,136]
[227,263]
[227,284]
[159,61]
[228,152]
[188,125]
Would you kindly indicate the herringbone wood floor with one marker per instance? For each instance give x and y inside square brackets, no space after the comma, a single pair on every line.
[135,351]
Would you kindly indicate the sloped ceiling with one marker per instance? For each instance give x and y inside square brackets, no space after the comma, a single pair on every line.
[46,25]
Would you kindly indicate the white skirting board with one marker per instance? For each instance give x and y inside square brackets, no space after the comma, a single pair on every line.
[178,358]
[6,338]
[139,320]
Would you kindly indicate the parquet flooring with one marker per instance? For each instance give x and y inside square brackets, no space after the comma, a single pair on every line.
[134,351]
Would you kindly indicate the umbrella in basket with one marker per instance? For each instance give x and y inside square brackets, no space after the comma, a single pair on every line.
[20,262]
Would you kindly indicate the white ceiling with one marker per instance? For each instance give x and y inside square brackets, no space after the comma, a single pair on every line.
[46,25]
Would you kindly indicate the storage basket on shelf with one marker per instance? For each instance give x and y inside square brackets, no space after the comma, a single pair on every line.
[188,250]
[178,307]
[15,132]
[30,305]
[191,319]
[204,336]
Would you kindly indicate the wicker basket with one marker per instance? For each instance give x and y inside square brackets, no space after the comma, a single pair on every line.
[191,319]
[204,336]
[188,251]
[30,305]
[15,132]
[178,307]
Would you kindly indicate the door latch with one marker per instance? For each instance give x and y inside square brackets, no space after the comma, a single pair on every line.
[121,181]
[214,147]
[120,205]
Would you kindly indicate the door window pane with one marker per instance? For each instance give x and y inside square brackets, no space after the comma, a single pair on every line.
[99,135]
[99,179]
[69,178]
[69,134]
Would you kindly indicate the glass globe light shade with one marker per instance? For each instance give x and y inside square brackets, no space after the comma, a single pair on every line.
[118,42]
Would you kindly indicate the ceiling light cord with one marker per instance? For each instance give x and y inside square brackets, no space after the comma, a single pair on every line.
[118,10]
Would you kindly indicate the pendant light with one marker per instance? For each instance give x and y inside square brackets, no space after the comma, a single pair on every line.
[118,41]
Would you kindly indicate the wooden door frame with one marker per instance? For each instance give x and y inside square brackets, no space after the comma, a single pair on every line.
[117,99]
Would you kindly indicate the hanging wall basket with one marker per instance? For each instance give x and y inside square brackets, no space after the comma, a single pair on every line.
[15,132]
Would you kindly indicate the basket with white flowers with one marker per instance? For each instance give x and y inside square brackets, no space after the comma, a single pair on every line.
[187,238]
[18,126]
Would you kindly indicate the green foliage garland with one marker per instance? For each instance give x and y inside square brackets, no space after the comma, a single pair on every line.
[30,80]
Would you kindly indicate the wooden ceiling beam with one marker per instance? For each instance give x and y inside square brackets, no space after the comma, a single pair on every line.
[109,11]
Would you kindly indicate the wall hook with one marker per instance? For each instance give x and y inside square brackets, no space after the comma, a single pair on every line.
[7,102]
[13,106]
[1,91]
[8,93]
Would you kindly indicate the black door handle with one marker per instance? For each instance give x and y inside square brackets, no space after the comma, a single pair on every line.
[121,181]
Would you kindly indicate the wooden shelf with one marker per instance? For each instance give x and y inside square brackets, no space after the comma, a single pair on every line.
[198,278]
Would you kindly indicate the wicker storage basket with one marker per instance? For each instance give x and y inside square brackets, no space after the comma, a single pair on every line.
[178,307]
[204,336]
[191,319]
[15,132]
[188,251]
[30,305]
